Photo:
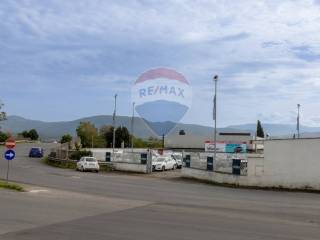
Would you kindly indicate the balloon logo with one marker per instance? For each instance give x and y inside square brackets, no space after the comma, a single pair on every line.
[162,97]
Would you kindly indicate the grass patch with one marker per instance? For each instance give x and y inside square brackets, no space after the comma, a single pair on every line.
[60,164]
[106,168]
[11,186]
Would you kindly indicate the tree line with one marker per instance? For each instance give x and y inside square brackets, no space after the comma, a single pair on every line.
[91,136]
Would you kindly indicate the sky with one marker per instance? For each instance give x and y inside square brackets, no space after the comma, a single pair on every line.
[65,59]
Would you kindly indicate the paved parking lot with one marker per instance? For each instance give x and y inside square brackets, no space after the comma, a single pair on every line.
[65,204]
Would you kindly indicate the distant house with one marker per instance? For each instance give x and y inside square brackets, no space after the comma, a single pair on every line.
[194,142]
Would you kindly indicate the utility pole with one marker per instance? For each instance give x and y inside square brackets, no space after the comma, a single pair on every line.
[298,120]
[132,125]
[162,142]
[91,141]
[215,79]
[114,122]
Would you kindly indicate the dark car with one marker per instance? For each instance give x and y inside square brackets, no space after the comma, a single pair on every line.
[36,152]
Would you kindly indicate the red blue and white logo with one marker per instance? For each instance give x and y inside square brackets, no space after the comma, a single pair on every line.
[162,96]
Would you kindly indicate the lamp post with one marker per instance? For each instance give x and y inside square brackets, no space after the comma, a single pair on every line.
[298,120]
[215,79]
[114,122]
[132,125]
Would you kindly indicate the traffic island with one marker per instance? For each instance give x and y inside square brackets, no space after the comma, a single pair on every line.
[11,186]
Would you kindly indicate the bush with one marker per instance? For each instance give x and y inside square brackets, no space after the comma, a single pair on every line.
[60,163]
[3,137]
[67,138]
[79,154]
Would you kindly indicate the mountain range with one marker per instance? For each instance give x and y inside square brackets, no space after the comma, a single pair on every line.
[54,130]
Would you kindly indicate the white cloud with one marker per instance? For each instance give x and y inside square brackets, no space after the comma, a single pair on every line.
[265,51]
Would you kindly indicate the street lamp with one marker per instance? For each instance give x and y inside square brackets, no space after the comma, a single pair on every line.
[215,79]
[132,125]
[298,120]
[114,122]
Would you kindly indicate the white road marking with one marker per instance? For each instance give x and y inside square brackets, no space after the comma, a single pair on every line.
[38,190]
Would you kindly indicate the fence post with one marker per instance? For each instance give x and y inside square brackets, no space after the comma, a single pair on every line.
[149,161]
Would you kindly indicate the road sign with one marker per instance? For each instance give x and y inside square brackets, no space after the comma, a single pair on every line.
[9,155]
[10,143]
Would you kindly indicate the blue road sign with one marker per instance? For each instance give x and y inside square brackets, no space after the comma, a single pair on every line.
[9,155]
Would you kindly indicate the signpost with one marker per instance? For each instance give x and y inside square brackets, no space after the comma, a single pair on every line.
[9,155]
[10,143]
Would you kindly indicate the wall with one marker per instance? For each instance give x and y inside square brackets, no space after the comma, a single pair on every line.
[287,163]
[292,162]
[129,167]
[123,160]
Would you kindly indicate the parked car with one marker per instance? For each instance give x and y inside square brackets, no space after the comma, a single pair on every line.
[164,163]
[88,164]
[36,152]
[178,158]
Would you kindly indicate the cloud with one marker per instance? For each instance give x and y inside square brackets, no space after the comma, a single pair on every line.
[265,52]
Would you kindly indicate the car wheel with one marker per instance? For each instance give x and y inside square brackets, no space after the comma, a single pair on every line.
[163,168]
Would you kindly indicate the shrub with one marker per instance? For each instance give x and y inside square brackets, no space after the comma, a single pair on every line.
[3,137]
[79,154]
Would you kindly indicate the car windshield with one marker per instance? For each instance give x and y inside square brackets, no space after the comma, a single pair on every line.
[161,159]
[177,157]
[35,149]
[91,160]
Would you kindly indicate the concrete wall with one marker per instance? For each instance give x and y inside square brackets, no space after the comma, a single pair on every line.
[224,178]
[288,163]
[292,162]
[123,159]
[129,167]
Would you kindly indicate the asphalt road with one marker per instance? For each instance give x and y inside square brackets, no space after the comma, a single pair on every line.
[65,204]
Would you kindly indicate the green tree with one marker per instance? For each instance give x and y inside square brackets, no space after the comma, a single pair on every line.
[260,132]
[3,115]
[33,134]
[88,134]
[106,133]
[149,143]
[3,136]
[122,136]
[25,134]
[67,138]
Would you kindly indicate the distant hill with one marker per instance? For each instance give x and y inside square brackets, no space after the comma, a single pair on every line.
[280,129]
[54,130]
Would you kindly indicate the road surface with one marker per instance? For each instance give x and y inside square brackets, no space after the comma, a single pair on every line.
[65,204]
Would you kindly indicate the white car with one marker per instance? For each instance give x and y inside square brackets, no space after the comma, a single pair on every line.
[88,164]
[164,163]
[178,158]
